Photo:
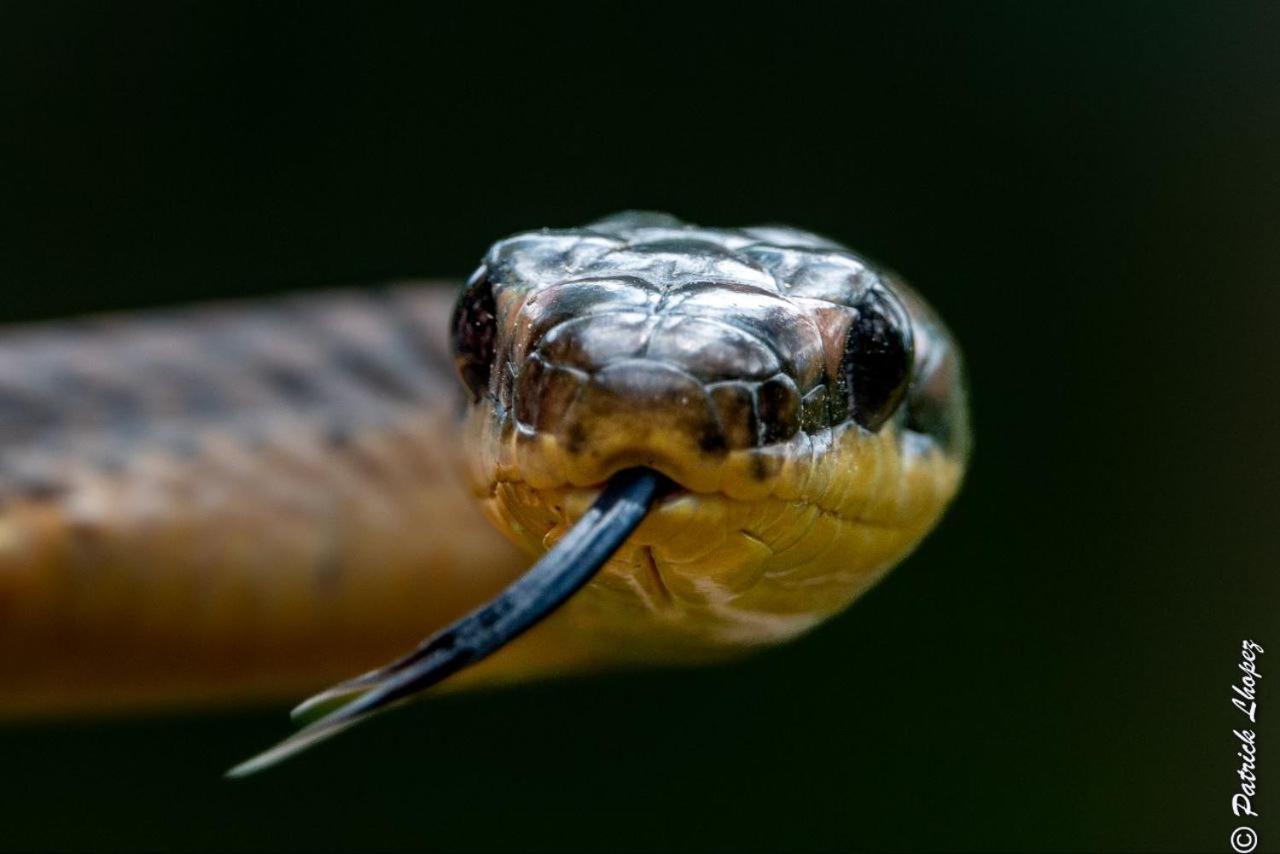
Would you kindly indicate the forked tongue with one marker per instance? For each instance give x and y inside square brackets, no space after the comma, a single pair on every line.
[579,555]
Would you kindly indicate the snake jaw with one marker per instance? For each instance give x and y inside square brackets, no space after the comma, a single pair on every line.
[744,556]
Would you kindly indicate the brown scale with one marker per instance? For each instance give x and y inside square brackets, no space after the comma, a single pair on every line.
[231,501]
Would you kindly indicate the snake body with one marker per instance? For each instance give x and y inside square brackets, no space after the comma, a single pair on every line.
[245,500]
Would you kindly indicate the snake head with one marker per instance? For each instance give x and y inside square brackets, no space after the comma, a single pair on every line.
[809,405]
[724,434]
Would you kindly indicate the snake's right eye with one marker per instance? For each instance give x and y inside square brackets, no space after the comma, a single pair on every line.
[877,359]
[474,332]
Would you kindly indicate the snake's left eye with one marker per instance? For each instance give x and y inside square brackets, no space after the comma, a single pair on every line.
[876,366]
[473,333]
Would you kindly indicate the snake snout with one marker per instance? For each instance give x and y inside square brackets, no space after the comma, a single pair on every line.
[650,412]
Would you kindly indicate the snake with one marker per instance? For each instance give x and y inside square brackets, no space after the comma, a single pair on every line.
[706,440]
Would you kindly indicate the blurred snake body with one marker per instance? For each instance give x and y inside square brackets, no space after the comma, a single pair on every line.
[241,501]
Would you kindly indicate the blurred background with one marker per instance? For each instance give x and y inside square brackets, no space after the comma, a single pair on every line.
[1090,196]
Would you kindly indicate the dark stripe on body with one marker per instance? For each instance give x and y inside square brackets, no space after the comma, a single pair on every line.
[100,391]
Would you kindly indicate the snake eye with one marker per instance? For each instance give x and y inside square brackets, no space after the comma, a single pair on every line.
[473,333]
[877,359]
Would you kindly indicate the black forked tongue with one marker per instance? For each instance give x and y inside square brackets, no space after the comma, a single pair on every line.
[546,586]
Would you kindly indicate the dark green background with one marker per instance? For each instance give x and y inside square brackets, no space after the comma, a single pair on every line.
[1089,195]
